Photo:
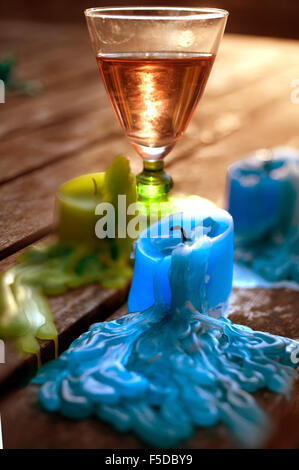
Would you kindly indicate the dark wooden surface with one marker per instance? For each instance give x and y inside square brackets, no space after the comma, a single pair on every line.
[69,129]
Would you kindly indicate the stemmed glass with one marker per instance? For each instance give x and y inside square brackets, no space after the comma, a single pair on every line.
[155,63]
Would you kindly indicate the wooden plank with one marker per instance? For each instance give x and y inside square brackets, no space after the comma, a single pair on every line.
[244,60]
[62,60]
[27,202]
[55,106]
[23,154]
[51,61]
[73,313]
[51,55]
[257,308]
[238,110]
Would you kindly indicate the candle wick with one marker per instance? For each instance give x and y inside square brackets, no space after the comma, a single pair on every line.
[178,227]
[95,186]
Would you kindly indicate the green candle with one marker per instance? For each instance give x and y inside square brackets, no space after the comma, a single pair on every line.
[76,201]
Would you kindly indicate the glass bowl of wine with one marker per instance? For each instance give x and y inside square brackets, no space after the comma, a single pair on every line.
[155,63]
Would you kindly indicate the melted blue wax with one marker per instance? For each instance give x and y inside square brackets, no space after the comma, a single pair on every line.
[163,371]
[263,198]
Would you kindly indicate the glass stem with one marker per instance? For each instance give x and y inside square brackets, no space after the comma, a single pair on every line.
[153,183]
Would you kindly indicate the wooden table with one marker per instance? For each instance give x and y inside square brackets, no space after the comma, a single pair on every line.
[69,129]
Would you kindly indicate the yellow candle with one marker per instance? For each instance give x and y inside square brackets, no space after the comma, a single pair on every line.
[76,201]
[78,198]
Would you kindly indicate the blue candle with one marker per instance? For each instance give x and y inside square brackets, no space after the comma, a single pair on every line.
[263,198]
[262,193]
[212,227]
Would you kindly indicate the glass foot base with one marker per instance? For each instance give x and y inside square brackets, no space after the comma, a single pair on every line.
[153,184]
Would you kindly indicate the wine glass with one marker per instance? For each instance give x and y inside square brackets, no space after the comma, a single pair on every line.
[155,63]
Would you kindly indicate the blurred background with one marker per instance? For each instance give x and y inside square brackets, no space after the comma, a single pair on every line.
[259,17]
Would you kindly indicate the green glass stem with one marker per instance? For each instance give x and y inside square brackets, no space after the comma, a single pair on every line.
[153,184]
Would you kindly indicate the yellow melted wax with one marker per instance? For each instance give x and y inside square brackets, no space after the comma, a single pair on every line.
[25,314]
[54,268]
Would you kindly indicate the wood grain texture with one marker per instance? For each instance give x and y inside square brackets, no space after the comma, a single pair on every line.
[70,129]
[73,313]
[256,308]
[28,202]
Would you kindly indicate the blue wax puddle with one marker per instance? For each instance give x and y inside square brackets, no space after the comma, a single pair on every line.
[164,371]
[246,278]
[270,263]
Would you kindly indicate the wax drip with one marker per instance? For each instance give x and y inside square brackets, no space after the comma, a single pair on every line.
[25,313]
[164,371]
[53,268]
[50,269]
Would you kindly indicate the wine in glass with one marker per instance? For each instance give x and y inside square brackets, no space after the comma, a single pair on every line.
[155,63]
